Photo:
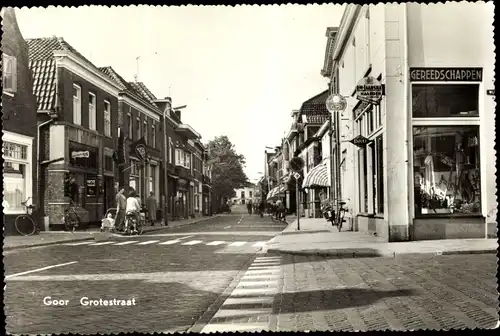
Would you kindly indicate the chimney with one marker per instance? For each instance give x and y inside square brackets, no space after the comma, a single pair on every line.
[178,114]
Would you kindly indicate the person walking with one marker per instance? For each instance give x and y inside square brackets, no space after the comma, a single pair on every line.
[151,206]
[121,204]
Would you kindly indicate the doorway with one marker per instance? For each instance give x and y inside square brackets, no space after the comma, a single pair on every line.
[109,193]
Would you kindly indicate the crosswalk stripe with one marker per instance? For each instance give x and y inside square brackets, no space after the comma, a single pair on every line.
[238,243]
[79,243]
[216,243]
[148,242]
[127,242]
[259,244]
[102,243]
[192,242]
[169,242]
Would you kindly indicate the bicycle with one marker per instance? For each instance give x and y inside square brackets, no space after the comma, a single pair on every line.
[71,218]
[339,216]
[278,216]
[24,223]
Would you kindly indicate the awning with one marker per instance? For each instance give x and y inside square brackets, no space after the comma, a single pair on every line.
[317,177]
[276,192]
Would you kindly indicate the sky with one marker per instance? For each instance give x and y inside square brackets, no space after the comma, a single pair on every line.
[240,70]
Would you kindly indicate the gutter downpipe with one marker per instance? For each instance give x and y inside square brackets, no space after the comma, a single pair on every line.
[408,120]
[38,168]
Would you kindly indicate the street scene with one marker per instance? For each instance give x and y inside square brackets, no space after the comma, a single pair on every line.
[288,168]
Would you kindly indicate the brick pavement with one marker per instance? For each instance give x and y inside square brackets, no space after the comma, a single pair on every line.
[404,293]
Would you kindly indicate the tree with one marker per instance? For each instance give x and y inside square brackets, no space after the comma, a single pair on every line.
[227,167]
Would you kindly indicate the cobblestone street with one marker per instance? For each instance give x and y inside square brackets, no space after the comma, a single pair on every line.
[404,293]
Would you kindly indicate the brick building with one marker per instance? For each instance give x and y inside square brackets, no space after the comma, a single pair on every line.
[78,106]
[18,117]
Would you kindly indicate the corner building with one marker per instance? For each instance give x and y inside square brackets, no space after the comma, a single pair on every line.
[428,171]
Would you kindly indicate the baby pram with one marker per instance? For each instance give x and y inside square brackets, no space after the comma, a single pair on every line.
[108,220]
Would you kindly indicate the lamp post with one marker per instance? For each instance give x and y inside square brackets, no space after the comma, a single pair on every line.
[165,155]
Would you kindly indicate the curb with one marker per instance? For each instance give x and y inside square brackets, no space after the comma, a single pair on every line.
[362,254]
[285,233]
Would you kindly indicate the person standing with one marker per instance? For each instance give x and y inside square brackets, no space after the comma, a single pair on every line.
[121,204]
[151,206]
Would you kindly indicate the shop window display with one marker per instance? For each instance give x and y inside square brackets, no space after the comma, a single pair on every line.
[445,100]
[446,170]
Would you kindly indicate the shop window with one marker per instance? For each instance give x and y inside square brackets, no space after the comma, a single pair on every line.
[446,169]
[379,152]
[363,181]
[445,100]
[14,186]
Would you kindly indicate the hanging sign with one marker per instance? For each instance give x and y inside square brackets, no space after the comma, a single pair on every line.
[369,88]
[297,164]
[80,154]
[359,141]
[336,103]
[139,148]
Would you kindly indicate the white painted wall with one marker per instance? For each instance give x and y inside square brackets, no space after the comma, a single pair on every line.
[247,191]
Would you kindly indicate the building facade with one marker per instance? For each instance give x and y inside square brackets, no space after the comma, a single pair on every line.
[78,107]
[427,171]
[19,137]
[246,195]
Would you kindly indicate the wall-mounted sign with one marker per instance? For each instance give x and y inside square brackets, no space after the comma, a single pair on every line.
[91,187]
[297,176]
[490,92]
[359,141]
[446,74]
[80,154]
[297,164]
[369,88]
[336,103]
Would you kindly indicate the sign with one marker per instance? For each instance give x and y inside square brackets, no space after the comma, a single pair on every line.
[297,176]
[139,148]
[297,164]
[91,187]
[446,74]
[336,103]
[490,92]
[359,141]
[369,88]
[80,154]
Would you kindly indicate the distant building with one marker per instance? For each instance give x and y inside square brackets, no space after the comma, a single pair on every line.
[18,117]
[244,195]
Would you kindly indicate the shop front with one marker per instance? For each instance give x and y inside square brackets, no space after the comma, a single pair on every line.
[447,165]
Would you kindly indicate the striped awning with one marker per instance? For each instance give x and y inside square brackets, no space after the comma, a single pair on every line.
[276,192]
[317,177]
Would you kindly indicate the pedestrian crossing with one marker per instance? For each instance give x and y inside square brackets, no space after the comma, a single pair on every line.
[256,244]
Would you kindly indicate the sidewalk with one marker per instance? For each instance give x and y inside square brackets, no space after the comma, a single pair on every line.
[317,237]
[56,237]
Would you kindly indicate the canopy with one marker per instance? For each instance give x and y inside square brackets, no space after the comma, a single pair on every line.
[276,192]
[317,177]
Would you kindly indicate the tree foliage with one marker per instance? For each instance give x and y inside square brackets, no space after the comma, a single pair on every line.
[227,167]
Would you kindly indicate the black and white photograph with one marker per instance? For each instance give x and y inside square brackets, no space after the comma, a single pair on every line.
[273,168]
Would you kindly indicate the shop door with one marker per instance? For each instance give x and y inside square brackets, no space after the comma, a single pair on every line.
[109,193]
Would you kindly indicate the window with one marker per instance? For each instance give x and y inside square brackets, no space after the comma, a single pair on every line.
[92,112]
[179,157]
[9,73]
[153,136]
[243,194]
[363,181]
[445,100]
[130,126]
[77,104]
[250,194]
[152,178]
[145,131]
[138,128]
[188,160]
[107,118]
[17,180]
[379,152]
[171,151]
[108,163]
[446,169]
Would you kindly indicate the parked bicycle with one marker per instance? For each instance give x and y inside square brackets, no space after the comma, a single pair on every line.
[278,216]
[71,218]
[335,217]
[25,224]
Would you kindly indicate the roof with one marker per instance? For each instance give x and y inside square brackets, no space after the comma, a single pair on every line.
[43,48]
[316,106]
[144,91]
[130,87]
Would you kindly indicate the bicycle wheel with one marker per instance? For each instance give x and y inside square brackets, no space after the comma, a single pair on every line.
[272,217]
[341,219]
[139,227]
[25,225]
[71,220]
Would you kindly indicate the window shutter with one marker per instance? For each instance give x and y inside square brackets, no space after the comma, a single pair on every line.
[13,61]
